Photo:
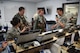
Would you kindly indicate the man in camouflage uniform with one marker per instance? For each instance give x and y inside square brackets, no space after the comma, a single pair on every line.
[40,22]
[22,18]
[61,20]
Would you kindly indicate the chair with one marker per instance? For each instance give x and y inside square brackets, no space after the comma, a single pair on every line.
[55,48]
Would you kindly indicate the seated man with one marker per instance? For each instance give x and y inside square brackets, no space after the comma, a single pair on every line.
[61,20]
[14,32]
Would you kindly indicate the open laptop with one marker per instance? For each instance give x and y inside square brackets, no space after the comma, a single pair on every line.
[31,31]
[27,38]
[45,37]
[2,37]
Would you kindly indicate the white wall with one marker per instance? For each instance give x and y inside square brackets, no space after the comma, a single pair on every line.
[30,9]
[2,13]
[53,4]
[10,8]
[78,20]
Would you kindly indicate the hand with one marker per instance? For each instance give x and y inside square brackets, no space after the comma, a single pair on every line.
[28,27]
[52,27]
[4,44]
[24,28]
[39,24]
[57,19]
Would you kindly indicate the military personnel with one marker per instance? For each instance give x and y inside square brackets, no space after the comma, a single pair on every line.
[36,14]
[40,22]
[22,18]
[14,32]
[61,20]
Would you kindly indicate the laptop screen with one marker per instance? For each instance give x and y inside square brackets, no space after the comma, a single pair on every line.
[2,37]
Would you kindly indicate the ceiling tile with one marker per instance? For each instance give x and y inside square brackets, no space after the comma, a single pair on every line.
[25,0]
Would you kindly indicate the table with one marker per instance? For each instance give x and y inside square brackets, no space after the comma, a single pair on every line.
[32,49]
[76,44]
[43,45]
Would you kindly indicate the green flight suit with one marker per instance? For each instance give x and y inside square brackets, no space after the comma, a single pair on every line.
[42,21]
[13,33]
[23,21]
[62,19]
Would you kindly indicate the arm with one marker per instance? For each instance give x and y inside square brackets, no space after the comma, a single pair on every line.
[23,30]
[26,23]
[1,49]
[61,24]
[54,26]
[4,44]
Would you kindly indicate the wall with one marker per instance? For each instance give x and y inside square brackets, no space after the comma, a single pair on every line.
[78,20]
[30,9]
[2,13]
[53,4]
[10,8]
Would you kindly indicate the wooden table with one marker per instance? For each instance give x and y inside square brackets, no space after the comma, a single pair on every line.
[44,45]
[32,49]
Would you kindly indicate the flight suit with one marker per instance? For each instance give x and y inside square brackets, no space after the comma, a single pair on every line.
[42,21]
[23,21]
[62,19]
[13,33]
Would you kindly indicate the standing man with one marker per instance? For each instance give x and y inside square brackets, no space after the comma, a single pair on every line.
[35,17]
[40,22]
[36,14]
[22,18]
[61,20]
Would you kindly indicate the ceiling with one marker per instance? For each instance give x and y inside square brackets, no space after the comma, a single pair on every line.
[25,0]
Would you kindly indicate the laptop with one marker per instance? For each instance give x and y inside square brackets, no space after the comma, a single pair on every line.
[31,31]
[27,38]
[2,38]
[45,37]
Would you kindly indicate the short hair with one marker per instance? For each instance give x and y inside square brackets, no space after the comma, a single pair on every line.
[40,8]
[21,8]
[15,21]
[61,9]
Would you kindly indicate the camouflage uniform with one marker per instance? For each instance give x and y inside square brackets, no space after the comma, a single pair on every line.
[13,33]
[62,19]
[23,21]
[42,21]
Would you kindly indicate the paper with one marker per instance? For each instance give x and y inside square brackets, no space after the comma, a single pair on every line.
[46,32]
